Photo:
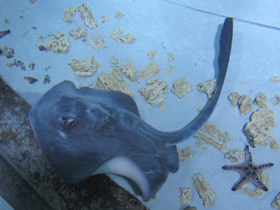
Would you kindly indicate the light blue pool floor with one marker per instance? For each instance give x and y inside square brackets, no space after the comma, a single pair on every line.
[188,33]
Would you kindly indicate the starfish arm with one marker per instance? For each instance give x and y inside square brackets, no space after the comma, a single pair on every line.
[265,166]
[236,168]
[248,156]
[241,181]
[258,183]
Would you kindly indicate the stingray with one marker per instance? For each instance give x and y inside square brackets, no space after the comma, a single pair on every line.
[85,131]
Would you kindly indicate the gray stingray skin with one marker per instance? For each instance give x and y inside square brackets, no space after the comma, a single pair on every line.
[81,129]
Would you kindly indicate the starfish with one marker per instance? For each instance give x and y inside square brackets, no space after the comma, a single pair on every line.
[248,171]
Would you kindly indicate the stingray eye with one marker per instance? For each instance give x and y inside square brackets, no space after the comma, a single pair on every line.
[68,122]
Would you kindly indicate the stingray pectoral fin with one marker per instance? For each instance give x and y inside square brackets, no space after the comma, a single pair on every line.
[124,166]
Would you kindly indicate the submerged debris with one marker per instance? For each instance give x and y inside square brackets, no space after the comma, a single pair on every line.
[79,33]
[97,42]
[31,66]
[113,81]
[244,103]
[41,39]
[151,70]
[234,155]
[276,202]
[260,100]
[181,87]
[42,48]
[47,79]
[120,37]
[275,79]
[116,68]
[60,43]
[184,154]
[105,19]
[114,60]
[31,80]
[171,57]
[93,85]
[209,134]
[17,63]
[205,192]
[276,100]
[84,67]
[68,14]
[233,98]
[86,15]
[207,87]
[274,145]
[119,15]
[152,53]
[8,52]
[129,70]
[155,91]
[258,129]
[3,33]
[169,69]
[186,195]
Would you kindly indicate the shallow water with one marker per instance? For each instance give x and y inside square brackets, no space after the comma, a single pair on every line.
[168,28]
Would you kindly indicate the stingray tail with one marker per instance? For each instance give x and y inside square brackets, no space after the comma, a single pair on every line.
[223,60]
